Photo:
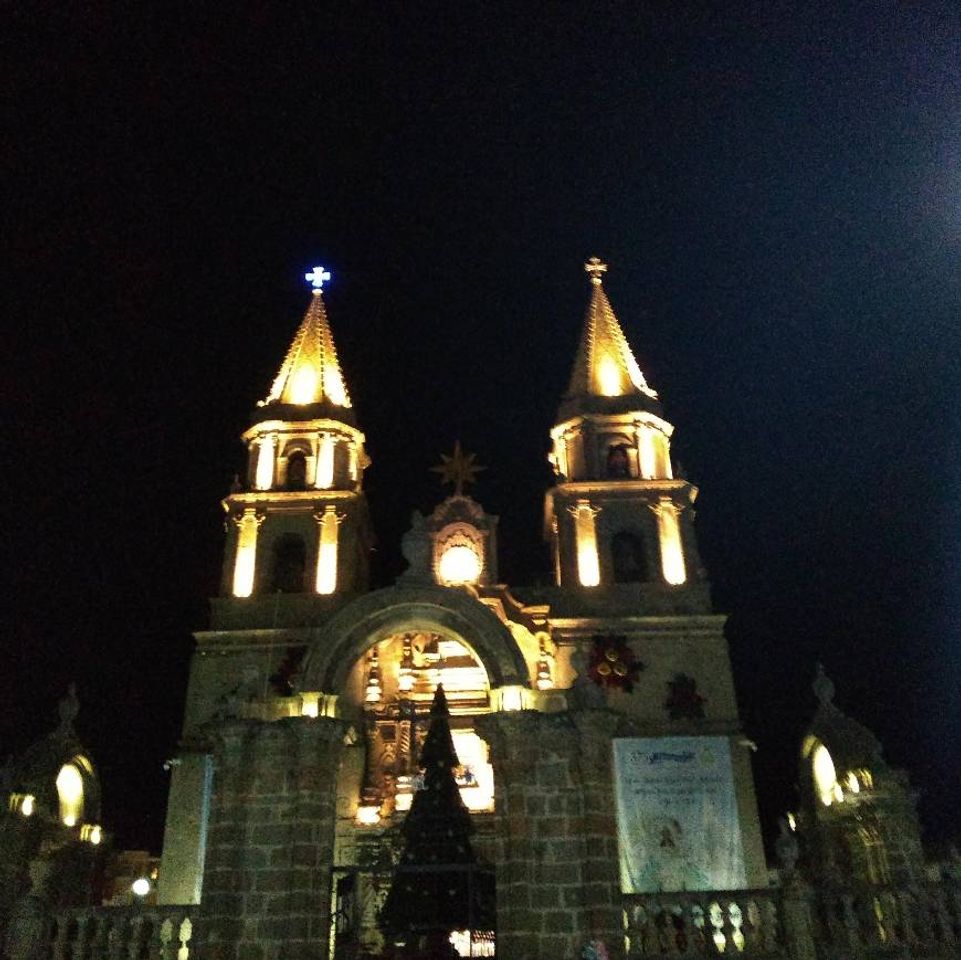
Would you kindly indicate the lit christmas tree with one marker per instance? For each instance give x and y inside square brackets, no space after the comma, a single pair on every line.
[436,888]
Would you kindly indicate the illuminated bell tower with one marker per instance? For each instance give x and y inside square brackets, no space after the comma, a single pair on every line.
[299,523]
[617,515]
[297,545]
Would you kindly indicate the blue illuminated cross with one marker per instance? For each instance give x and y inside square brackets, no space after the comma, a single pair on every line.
[317,277]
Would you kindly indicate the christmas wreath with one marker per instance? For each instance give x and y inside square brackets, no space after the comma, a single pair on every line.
[613,663]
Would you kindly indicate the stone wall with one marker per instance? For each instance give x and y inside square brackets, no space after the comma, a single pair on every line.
[557,879]
[270,849]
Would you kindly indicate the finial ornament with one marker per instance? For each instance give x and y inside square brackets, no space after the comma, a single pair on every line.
[68,707]
[823,687]
[317,278]
[458,468]
[594,268]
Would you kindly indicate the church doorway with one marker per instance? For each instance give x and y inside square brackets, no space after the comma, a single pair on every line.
[396,680]
[390,689]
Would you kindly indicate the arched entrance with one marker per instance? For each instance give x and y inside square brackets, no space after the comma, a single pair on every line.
[383,656]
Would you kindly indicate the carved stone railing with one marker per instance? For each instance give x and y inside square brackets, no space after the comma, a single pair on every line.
[921,922]
[123,933]
[744,922]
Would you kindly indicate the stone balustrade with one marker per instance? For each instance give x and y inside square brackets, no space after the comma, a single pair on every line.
[746,922]
[123,933]
[923,921]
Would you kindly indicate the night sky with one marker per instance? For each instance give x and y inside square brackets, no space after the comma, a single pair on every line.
[777,190]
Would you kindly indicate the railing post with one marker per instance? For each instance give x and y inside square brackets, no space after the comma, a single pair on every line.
[796,918]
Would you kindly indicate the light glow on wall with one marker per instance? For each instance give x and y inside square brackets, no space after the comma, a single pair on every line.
[265,463]
[246,558]
[588,565]
[327,552]
[70,792]
[645,452]
[609,377]
[334,387]
[560,456]
[325,462]
[663,453]
[303,384]
[672,552]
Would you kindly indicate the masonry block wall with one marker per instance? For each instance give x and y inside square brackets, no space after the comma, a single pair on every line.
[557,865]
[270,850]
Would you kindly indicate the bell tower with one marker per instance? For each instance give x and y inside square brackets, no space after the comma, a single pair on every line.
[616,515]
[299,523]
[298,540]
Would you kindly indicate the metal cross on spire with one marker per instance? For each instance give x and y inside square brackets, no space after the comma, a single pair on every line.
[317,278]
[594,268]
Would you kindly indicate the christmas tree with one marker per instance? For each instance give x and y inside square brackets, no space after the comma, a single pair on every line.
[436,886]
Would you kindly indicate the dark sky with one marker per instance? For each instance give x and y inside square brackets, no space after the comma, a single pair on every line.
[776,186]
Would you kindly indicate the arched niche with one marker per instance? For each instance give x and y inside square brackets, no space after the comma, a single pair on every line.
[447,612]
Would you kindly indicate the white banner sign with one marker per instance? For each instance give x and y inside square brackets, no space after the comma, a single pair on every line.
[677,823]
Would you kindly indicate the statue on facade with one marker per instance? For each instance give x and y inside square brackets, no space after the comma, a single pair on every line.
[786,848]
[584,693]
[415,545]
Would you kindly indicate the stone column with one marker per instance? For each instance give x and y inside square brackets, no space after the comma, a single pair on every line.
[600,914]
[270,852]
[557,880]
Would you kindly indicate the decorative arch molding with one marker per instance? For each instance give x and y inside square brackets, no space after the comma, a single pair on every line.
[445,610]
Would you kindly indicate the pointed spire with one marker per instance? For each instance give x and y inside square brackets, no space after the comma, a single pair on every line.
[311,372]
[605,366]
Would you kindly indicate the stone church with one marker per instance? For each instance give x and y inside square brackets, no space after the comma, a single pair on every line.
[599,750]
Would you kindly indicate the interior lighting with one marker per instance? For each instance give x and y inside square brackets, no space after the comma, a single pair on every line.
[327,552]
[70,792]
[508,698]
[825,775]
[28,805]
[91,833]
[140,887]
[853,784]
[672,553]
[246,558]
[588,566]
[310,705]
[368,816]
[459,563]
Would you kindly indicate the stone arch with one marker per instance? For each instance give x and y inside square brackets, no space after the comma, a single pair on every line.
[444,610]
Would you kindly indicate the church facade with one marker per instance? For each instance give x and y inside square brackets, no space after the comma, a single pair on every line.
[600,753]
